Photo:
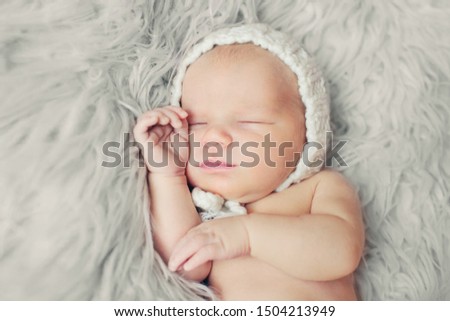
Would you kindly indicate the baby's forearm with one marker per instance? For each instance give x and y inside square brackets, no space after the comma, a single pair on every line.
[316,247]
[172,215]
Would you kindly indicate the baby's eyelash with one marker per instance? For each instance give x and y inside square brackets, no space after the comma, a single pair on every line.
[255,122]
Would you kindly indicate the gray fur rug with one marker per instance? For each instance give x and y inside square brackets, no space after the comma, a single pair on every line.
[74,75]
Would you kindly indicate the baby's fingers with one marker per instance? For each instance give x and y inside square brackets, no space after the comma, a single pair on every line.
[180,111]
[174,116]
[185,248]
[156,134]
[142,127]
[205,254]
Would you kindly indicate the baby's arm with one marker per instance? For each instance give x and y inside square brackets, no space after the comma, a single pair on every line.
[324,245]
[171,207]
[172,215]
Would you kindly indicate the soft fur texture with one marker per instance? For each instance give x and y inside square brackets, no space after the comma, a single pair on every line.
[74,75]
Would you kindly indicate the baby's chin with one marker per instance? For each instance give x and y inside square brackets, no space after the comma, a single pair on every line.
[229,188]
[235,193]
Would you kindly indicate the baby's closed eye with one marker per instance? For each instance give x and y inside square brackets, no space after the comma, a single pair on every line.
[255,122]
[197,123]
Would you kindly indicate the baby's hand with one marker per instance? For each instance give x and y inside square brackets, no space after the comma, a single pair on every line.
[219,239]
[163,134]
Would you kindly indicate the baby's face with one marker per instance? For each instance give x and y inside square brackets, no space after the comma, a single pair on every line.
[241,111]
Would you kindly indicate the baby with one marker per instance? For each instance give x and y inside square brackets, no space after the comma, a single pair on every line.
[297,243]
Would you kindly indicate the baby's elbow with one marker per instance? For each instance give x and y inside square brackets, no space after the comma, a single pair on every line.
[350,259]
[198,274]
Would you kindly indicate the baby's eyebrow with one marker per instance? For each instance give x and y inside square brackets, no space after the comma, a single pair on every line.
[255,110]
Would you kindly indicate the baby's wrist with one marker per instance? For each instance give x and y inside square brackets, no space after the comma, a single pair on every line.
[165,172]
[168,177]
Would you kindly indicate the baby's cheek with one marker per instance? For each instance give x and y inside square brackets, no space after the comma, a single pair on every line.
[291,157]
[195,149]
[247,153]
[283,152]
[192,175]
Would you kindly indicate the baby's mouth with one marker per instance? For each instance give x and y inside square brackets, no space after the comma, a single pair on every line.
[216,164]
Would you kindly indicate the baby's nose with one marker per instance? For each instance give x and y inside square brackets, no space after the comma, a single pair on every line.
[217,135]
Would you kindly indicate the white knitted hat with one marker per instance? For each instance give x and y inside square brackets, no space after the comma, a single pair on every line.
[310,83]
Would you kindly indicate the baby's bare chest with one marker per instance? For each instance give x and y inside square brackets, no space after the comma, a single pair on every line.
[295,200]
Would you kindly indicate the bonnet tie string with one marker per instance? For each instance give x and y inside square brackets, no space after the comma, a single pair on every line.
[214,206]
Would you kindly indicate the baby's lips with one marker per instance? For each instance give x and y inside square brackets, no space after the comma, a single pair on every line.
[211,163]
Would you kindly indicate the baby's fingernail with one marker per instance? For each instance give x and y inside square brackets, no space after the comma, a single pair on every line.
[172,265]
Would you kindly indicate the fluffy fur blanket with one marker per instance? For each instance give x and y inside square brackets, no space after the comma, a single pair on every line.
[74,75]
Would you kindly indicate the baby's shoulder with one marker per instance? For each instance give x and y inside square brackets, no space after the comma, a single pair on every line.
[325,180]
[335,195]
[329,181]
[330,176]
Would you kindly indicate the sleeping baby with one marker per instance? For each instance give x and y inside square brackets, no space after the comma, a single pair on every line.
[246,150]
